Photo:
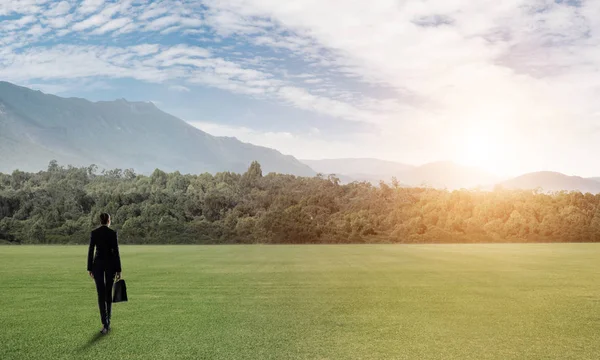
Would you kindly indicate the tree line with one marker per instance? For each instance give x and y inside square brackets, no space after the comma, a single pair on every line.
[62,204]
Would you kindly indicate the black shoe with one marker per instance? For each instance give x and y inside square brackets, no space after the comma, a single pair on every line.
[104,330]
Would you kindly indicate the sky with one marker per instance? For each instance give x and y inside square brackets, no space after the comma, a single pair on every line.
[510,86]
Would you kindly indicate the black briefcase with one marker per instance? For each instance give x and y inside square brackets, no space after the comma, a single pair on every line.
[119,291]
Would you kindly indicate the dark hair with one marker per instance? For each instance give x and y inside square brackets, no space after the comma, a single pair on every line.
[104,218]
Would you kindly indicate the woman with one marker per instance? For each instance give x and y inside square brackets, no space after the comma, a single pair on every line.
[104,267]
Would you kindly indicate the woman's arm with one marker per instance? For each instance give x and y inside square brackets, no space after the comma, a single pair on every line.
[117,257]
[90,258]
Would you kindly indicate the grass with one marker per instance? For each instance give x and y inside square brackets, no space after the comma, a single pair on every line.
[535,301]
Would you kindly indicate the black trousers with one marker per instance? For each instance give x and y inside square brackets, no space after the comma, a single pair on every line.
[104,279]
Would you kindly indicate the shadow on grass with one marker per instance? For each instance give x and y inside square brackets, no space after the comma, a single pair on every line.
[96,338]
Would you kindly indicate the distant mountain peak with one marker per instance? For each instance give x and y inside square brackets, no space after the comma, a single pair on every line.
[553,181]
[38,127]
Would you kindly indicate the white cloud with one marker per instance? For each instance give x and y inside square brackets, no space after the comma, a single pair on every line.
[62,32]
[189,22]
[304,76]
[73,62]
[142,62]
[112,25]
[183,51]
[153,11]
[303,145]
[179,88]
[170,30]
[90,22]
[130,27]
[25,20]
[162,22]
[313,81]
[297,44]
[210,78]
[90,6]
[145,49]
[303,99]
[11,7]
[170,20]
[193,31]
[58,9]
[37,30]
[226,23]
[59,22]
[103,16]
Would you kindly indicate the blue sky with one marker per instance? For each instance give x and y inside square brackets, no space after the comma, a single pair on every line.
[509,86]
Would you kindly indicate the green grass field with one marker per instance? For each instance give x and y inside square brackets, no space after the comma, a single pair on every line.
[537,301]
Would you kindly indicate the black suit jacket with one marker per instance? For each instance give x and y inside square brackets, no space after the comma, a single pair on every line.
[104,239]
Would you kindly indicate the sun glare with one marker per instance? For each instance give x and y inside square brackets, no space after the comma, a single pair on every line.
[489,135]
[479,149]
[485,146]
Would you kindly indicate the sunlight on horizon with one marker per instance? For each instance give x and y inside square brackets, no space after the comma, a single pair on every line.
[489,139]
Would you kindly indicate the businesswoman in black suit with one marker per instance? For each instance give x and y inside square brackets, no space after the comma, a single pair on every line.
[104,267]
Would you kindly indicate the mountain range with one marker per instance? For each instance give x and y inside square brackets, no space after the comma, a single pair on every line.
[553,181]
[36,128]
[446,174]
[443,174]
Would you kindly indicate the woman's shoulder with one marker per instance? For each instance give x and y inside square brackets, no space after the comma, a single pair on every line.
[104,229]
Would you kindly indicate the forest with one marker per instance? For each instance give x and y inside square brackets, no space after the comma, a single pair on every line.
[62,204]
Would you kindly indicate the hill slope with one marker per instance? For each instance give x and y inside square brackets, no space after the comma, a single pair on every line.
[359,169]
[553,181]
[36,128]
[446,174]
[443,174]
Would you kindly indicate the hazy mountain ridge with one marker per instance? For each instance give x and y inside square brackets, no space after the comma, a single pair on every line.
[442,174]
[36,128]
[549,181]
[446,174]
[353,165]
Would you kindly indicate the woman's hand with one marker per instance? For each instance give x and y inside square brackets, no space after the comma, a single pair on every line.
[91,274]
[118,275]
